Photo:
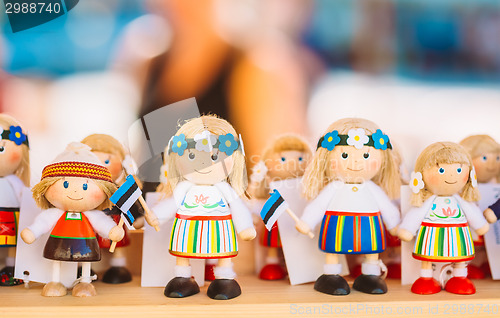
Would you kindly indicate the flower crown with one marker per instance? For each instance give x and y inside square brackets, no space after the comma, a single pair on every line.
[15,134]
[205,141]
[356,138]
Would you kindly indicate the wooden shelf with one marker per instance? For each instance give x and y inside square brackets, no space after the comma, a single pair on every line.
[259,298]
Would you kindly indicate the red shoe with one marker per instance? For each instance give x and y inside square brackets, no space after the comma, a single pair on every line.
[475,272]
[394,270]
[460,285]
[355,271]
[425,286]
[485,268]
[209,272]
[272,272]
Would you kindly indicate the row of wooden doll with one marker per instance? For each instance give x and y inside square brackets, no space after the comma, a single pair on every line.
[349,182]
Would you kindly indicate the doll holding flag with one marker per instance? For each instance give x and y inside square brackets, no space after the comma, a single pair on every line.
[351,180]
[73,191]
[285,158]
[207,174]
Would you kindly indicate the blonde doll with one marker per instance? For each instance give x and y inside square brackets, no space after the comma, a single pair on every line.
[114,157]
[285,158]
[14,176]
[485,153]
[206,172]
[73,191]
[443,186]
[351,181]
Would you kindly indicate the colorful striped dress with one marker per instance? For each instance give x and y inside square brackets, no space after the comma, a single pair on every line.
[11,188]
[444,234]
[353,222]
[203,226]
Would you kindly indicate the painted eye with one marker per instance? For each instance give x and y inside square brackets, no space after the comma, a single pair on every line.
[484,158]
[214,157]
[85,186]
[283,159]
[459,170]
[441,170]
[66,184]
[106,161]
[191,156]
[345,155]
[301,159]
[2,149]
[498,157]
[366,155]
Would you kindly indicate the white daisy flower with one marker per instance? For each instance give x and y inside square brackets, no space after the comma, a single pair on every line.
[357,138]
[163,174]
[259,172]
[416,182]
[205,141]
[473,177]
[129,165]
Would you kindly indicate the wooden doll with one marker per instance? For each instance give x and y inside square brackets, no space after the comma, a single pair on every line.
[485,153]
[351,180]
[114,157]
[285,158]
[443,186]
[14,176]
[73,191]
[206,172]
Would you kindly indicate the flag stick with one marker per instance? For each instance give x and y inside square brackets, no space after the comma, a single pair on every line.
[113,244]
[147,211]
[296,219]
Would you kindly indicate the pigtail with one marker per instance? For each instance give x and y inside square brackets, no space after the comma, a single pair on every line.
[315,176]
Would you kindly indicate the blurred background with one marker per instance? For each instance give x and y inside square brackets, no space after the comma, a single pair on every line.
[424,71]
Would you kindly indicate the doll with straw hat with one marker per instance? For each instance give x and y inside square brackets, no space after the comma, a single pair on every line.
[73,191]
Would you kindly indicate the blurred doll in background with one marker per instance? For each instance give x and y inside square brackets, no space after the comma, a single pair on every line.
[114,157]
[285,158]
[14,177]
[485,153]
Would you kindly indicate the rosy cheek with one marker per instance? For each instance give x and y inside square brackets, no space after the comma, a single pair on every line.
[433,180]
[97,195]
[373,165]
[14,156]
[465,178]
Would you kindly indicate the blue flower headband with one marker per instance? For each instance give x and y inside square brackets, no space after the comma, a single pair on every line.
[15,134]
[205,142]
[356,138]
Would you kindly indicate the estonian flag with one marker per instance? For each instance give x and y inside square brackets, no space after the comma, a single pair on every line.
[272,209]
[125,197]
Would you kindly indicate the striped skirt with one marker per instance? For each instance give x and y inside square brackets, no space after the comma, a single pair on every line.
[9,220]
[203,237]
[352,233]
[271,238]
[444,243]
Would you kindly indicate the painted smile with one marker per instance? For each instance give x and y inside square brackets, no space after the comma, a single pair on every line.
[355,169]
[203,172]
[450,182]
[74,199]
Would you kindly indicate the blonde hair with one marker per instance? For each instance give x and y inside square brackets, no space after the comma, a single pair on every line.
[282,143]
[23,171]
[444,153]
[477,145]
[41,188]
[237,178]
[108,144]
[318,175]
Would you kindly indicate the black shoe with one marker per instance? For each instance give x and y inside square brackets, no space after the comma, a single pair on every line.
[370,284]
[117,275]
[223,289]
[7,277]
[332,285]
[180,287]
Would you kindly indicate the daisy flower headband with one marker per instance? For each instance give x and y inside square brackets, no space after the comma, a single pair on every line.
[206,141]
[356,138]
